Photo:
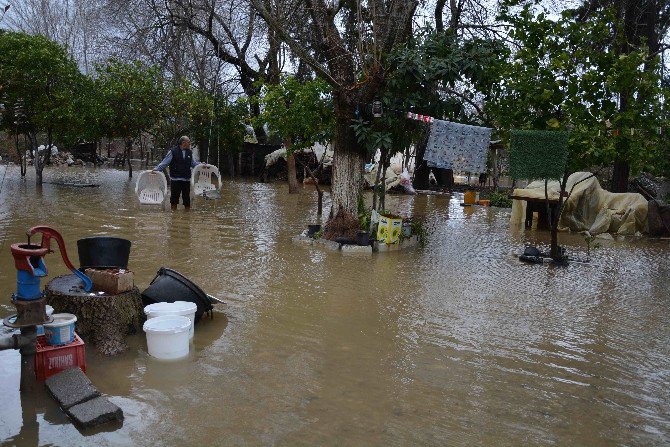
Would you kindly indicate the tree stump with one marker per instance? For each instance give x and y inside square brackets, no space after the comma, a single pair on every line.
[101,318]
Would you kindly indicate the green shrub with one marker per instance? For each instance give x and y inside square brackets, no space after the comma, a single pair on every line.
[500,199]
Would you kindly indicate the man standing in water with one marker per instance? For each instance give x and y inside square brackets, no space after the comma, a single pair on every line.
[180,160]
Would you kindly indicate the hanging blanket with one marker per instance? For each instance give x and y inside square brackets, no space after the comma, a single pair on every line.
[459,147]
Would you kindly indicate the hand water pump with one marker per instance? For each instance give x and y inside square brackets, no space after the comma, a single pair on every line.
[29,299]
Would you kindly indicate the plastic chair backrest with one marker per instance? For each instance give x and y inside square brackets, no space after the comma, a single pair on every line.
[205,174]
[151,187]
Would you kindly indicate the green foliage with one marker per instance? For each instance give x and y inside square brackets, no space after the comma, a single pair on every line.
[568,74]
[131,96]
[538,154]
[419,229]
[590,245]
[301,113]
[38,76]
[500,199]
[423,77]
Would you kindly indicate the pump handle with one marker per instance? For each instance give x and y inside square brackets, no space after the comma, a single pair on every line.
[47,234]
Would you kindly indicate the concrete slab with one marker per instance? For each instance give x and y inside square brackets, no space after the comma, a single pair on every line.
[410,242]
[304,240]
[71,387]
[357,249]
[95,412]
[328,244]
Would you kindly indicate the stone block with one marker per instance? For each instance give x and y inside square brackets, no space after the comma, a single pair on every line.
[357,249]
[71,387]
[94,412]
[328,244]
[304,240]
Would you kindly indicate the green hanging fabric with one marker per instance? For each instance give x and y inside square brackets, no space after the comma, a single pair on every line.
[538,154]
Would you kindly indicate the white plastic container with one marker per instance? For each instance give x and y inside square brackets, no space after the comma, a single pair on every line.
[167,336]
[182,308]
[61,330]
[40,328]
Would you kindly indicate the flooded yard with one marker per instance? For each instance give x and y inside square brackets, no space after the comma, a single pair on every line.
[457,343]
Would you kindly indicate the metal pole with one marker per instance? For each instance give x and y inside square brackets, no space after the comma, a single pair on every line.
[28,350]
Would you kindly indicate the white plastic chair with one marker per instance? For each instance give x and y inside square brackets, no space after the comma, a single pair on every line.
[202,179]
[151,188]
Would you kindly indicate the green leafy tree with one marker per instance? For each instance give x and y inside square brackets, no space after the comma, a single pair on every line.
[301,113]
[131,98]
[40,88]
[565,75]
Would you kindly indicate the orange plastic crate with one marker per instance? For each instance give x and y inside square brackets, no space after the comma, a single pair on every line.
[50,360]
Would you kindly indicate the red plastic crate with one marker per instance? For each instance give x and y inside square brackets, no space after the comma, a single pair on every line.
[50,360]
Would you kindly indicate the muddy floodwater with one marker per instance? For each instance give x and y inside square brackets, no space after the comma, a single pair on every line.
[457,343]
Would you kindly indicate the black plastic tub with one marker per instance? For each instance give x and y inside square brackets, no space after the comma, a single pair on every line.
[363,238]
[169,286]
[103,252]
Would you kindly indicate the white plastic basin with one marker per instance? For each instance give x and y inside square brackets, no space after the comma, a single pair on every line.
[40,328]
[183,308]
[167,336]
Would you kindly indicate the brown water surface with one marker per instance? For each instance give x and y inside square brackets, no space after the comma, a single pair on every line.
[457,343]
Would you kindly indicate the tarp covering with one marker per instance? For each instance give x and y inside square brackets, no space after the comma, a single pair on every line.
[589,207]
[318,150]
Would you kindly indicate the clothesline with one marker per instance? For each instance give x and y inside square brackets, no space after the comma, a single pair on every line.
[430,119]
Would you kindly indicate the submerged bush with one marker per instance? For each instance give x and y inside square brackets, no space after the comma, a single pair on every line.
[500,199]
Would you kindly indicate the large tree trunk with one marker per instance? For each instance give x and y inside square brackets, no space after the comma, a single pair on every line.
[293,187]
[421,169]
[620,176]
[348,161]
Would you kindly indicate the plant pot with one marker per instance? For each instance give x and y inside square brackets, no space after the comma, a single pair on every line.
[363,238]
[103,252]
[406,229]
[313,229]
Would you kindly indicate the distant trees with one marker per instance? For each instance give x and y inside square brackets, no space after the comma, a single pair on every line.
[39,88]
[131,98]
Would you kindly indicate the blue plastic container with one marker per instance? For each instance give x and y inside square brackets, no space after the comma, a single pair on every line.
[61,330]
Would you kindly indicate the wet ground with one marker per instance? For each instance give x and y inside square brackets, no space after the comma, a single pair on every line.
[457,343]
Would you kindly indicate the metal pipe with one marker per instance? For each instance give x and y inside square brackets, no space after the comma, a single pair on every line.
[28,347]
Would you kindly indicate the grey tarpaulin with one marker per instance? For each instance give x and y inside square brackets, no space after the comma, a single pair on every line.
[460,147]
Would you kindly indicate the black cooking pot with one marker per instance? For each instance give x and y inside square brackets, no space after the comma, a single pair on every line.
[103,252]
[169,286]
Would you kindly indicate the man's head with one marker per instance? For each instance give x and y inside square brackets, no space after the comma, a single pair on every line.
[184,142]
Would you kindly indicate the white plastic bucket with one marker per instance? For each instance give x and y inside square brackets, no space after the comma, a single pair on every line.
[61,330]
[167,336]
[40,328]
[183,308]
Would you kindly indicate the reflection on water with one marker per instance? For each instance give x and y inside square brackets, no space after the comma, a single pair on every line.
[454,344]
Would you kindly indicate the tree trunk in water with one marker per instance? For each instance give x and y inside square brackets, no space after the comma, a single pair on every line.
[41,159]
[293,187]
[620,176]
[129,148]
[421,169]
[348,161]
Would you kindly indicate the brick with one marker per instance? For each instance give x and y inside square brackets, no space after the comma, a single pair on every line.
[71,387]
[112,281]
[95,412]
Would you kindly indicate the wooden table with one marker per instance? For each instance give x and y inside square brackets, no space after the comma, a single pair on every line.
[534,204]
